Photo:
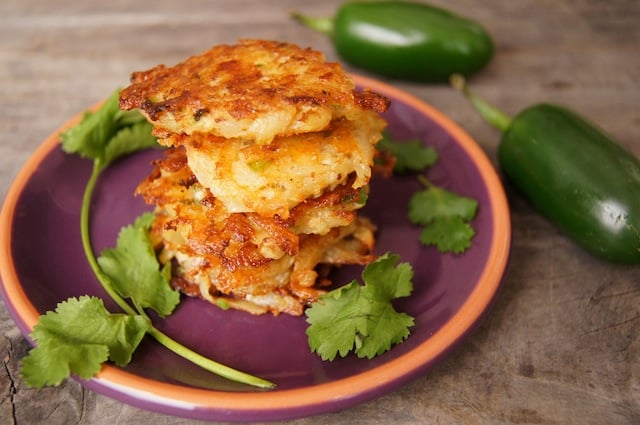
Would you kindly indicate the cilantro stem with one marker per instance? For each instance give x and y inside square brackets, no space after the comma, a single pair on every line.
[204,362]
[208,364]
[86,240]
[425,181]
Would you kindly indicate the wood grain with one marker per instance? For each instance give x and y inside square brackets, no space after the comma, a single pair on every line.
[560,345]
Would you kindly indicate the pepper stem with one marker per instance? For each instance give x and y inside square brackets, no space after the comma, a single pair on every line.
[322,25]
[489,113]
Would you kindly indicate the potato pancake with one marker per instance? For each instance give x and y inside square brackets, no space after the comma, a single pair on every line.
[270,150]
[225,259]
[255,89]
[271,179]
[173,182]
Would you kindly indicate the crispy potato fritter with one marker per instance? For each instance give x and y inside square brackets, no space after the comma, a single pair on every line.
[270,150]
[256,89]
[272,179]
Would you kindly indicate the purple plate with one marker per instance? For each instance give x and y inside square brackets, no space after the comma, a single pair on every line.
[452,292]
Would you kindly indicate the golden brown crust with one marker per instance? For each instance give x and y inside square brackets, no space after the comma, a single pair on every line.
[249,261]
[370,100]
[255,89]
[273,178]
[172,181]
[270,151]
[287,284]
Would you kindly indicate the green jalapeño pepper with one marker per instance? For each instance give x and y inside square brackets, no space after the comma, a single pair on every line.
[405,40]
[573,173]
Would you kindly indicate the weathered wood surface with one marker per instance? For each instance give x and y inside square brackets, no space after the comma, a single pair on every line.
[561,344]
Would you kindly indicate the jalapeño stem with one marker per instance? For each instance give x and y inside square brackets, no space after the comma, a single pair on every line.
[321,25]
[488,112]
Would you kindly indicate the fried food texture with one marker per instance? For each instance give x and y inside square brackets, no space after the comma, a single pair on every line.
[247,261]
[270,151]
[274,178]
[255,89]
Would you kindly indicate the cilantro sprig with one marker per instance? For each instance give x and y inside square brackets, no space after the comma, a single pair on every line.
[77,338]
[445,216]
[134,260]
[80,335]
[410,155]
[361,318]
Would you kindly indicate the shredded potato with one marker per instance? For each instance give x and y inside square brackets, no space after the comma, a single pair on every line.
[270,153]
[256,89]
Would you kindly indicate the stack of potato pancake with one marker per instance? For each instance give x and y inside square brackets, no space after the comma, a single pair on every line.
[270,150]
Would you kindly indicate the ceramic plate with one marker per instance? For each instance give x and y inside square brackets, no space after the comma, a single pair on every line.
[42,263]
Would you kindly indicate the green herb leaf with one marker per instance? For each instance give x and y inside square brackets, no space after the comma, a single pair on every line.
[411,155]
[77,338]
[135,271]
[128,140]
[98,135]
[361,318]
[448,234]
[445,216]
[436,202]
[89,137]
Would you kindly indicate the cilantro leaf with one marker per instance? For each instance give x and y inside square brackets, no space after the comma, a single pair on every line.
[411,155]
[445,216]
[89,137]
[361,318]
[448,234]
[387,282]
[77,338]
[135,272]
[332,329]
[436,202]
[98,134]
[128,140]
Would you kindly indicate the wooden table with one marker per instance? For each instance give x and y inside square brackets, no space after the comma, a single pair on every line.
[561,343]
